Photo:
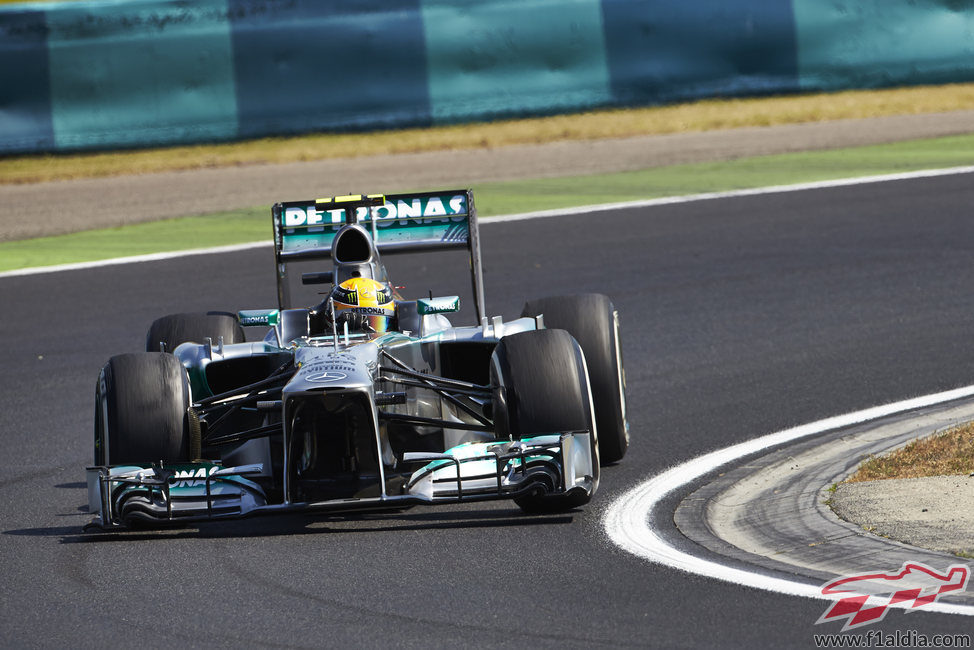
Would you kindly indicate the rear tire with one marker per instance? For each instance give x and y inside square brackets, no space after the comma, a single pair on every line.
[592,319]
[142,411]
[175,329]
[542,387]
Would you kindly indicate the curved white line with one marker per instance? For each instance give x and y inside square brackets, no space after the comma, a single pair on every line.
[541,214]
[627,519]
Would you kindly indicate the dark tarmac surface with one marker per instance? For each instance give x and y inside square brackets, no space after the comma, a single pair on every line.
[740,317]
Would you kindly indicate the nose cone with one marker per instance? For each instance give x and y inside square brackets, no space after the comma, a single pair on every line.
[324,368]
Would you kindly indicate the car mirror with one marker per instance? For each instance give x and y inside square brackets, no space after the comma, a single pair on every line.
[258,317]
[439,305]
[325,277]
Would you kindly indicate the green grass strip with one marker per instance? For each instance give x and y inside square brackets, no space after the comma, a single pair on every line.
[236,227]
[253,224]
[744,173]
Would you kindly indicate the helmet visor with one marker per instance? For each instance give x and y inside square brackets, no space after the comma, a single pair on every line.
[378,324]
[359,322]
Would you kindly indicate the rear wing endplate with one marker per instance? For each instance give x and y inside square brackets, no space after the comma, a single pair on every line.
[399,223]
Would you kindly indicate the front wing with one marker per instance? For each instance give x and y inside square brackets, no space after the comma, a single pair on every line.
[550,464]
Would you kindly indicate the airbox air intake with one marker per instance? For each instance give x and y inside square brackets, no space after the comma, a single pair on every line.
[352,246]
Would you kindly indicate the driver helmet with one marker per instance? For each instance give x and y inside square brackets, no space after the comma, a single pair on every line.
[366,305]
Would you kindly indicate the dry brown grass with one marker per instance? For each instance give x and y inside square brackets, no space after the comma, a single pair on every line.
[698,116]
[944,454]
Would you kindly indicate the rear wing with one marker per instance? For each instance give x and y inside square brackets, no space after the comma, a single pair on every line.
[398,223]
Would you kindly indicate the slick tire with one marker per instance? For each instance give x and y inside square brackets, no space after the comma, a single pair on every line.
[541,387]
[174,329]
[142,412]
[593,320]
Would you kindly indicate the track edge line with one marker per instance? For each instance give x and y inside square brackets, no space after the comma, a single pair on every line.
[626,519]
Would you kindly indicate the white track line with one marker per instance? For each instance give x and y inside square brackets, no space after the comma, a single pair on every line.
[627,519]
[151,257]
[541,214]
[754,191]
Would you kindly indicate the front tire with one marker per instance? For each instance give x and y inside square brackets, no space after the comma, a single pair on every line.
[142,411]
[542,387]
[592,319]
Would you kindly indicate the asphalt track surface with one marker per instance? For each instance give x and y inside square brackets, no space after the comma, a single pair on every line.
[741,317]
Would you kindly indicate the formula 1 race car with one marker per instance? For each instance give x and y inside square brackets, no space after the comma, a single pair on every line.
[365,401]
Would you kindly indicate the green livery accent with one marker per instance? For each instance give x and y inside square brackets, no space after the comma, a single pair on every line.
[403,210]
[441,305]
[415,219]
[191,478]
[258,317]
[197,381]
[480,451]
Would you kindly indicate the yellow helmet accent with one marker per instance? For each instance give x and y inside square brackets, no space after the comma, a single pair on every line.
[372,301]
[365,296]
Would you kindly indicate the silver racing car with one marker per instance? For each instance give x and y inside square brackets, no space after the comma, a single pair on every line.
[365,401]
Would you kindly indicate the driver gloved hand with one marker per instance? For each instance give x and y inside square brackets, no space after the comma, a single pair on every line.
[321,318]
[356,322]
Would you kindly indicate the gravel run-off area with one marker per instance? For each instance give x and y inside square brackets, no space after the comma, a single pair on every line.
[51,208]
[935,512]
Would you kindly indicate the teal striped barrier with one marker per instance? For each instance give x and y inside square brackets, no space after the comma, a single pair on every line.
[91,75]
[876,43]
[144,72]
[514,57]
[25,100]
